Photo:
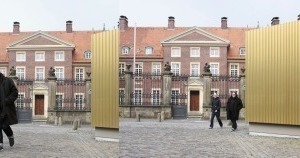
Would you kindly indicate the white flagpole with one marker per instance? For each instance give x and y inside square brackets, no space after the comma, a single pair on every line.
[134,51]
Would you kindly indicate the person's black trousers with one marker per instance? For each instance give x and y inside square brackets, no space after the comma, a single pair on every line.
[217,114]
[7,130]
[234,125]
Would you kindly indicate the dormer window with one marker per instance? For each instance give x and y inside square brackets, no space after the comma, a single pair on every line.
[149,50]
[87,54]
[242,51]
[125,50]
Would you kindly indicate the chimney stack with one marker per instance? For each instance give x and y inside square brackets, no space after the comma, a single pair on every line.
[275,21]
[298,17]
[224,22]
[171,22]
[123,23]
[16,29]
[69,26]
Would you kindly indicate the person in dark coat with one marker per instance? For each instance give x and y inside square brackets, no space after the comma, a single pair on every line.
[8,113]
[215,110]
[234,105]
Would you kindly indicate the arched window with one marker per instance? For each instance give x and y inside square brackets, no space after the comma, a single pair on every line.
[125,50]
[148,50]
[87,54]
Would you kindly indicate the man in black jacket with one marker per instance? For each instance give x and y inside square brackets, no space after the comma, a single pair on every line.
[234,105]
[8,114]
[215,110]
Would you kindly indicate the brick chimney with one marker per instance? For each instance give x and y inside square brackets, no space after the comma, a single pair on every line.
[171,22]
[275,21]
[69,26]
[224,22]
[16,28]
[298,17]
[123,23]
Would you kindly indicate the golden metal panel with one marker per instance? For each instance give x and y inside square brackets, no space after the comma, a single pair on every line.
[105,79]
[273,74]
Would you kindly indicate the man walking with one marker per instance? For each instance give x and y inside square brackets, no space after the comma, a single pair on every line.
[234,105]
[215,110]
[8,114]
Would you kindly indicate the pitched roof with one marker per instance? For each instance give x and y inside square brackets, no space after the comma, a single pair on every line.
[80,39]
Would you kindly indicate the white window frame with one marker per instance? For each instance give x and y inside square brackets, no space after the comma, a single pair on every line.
[237,91]
[179,69]
[63,56]
[122,69]
[195,55]
[87,54]
[136,68]
[157,99]
[123,50]
[214,55]
[21,67]
[22,104]
[155,70]
[63,73]
[18,59]
[39,52]
[215,63]
[141,97]
[3,70]
[147,49]
[35,73]
[120,98]
[176,55]
[198,69]
[238,66]
[83,72]
[178,100]
[63,96]
[242,51]
[83,104]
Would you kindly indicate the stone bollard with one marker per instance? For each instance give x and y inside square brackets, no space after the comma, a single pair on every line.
[138,117]
[56,121]
[159,117]
[162,114]
[79,123]
[60,121]
[75,124]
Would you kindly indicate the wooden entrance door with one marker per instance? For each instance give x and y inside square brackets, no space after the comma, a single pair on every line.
[39,105]
[194,101]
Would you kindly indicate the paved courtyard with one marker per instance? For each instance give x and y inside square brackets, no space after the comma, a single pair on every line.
[39,141]
[192,138]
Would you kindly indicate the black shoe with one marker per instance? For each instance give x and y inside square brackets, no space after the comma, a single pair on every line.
[11,141]
[232,130]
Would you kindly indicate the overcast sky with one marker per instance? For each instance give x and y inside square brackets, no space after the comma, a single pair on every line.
[48,15]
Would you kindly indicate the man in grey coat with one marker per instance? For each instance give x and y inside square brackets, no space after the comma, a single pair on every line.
[8,114]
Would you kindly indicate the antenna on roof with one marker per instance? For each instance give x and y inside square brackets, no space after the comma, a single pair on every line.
[103,26]
[257,24]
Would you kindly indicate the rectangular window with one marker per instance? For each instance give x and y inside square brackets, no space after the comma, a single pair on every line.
[234,70]
[155,96]
[195,69]
[176,52]
[121,68]
[175,96]
[3,70]
[194,52]
[121,96]
[20,72]
[39,73]
[21,100]
[175,68]
[214,69]
[59,101]
[214,52]
[59,73]
[20,56]
[139,69]
[156,68]
[242,51]
[79,101]
[59,56]
[138,97]
[79,74]
[39,56]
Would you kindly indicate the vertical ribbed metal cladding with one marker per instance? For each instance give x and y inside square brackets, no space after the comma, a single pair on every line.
[105,79]
[273,74]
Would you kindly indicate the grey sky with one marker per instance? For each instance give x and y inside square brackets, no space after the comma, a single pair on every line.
[240,13]
[48,15]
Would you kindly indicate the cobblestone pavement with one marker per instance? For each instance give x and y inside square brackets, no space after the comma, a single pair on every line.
[192,138]
[39,141]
